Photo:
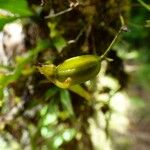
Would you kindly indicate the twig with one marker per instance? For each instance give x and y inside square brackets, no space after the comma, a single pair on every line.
[77,38]
[59,13]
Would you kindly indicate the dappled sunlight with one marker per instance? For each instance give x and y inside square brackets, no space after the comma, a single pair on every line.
[74,75]
[119,105]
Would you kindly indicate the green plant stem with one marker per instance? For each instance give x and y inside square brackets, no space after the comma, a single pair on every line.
[112,43]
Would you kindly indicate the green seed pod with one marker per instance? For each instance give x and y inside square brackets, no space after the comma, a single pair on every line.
[75,70]
[72,71]
[78,69]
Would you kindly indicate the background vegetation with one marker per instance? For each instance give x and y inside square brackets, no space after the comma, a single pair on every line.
[108,112]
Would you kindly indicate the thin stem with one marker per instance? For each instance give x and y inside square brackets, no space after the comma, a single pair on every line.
[77,38]
[59,13]
[113,41]
[144,4]
[72,6]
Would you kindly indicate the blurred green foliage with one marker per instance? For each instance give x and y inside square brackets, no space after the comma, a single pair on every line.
[35,114]
[10,13]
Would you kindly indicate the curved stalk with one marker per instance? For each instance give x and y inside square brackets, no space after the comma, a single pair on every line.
[123,28]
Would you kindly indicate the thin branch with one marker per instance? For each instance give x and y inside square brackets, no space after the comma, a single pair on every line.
[77,38]
[59,13]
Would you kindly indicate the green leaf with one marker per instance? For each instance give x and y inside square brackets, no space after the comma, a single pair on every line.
[51,92]
[4,20]
[20,66]
[78,89]
[66,101]
[19,7]
[59,42]
[49,114]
